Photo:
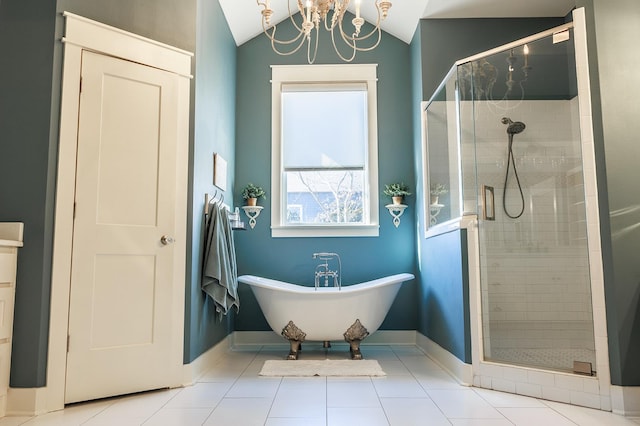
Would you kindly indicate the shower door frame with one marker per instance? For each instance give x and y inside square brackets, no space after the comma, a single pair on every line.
[589,391]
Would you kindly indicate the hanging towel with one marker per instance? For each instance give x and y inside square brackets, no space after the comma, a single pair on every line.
[220,274]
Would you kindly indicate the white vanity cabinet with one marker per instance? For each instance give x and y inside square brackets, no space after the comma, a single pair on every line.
[11,234]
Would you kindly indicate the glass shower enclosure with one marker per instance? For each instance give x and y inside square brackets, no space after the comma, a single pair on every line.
[503,143]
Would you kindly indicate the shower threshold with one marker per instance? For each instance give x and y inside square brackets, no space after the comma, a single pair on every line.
[549,359]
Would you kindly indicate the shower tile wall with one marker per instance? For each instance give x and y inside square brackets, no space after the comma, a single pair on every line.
[536,270]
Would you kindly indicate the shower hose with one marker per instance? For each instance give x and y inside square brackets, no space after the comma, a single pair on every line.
[511,160]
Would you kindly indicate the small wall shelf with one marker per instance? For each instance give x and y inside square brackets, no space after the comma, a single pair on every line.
[434,211]
[252,213]
[396,211]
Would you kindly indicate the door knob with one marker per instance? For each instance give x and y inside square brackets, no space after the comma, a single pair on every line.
[166,239]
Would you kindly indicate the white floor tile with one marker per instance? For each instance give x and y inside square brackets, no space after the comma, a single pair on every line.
[130,409]
[240,412]
[353,392]
[394,367]
[306,421]
[588,416]
[300,397]
[256,387]
[420,365]
[413,411]
[481,422]
[179,417]
[463,404]
[200,395]
[503,399]
[398,387]
[535,417]
[349,416]
[438,379]
[415,391]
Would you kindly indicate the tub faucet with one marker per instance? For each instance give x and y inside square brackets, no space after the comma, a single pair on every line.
[323,271]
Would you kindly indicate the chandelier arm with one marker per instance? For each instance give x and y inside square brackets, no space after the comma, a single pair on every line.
[274,40]
[335,47]
[376,29]
[293,21]
[335,17]
[315,51]
[353,39]
[291,52]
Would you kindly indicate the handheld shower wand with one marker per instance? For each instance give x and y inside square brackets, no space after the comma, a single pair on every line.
[513,128]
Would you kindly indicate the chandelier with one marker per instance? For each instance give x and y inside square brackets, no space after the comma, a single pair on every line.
[329,14]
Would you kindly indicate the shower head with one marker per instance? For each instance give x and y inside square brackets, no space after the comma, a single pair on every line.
[514,127]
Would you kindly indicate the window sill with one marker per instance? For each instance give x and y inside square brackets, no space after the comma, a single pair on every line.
[325,231]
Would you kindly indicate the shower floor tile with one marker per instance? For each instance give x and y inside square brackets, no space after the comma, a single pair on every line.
[559,359]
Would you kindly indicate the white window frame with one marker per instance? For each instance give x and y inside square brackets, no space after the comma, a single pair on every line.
[323,74]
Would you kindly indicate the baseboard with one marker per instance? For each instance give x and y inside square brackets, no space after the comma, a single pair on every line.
[27,402]
[459,370]
[625,400]
[240,338]
[196,368]
[380,337]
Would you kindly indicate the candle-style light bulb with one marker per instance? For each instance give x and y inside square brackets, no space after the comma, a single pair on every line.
[309,10]
[358,8]
[526,55]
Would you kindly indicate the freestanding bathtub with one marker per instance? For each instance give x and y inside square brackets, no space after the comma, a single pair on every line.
[348,313]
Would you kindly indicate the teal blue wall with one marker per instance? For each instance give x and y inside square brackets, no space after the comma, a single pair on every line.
[289,259]
[28,149]
[215,82]
[444,301]
[443,282]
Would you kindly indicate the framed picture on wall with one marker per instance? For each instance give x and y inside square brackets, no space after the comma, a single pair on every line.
[220,172]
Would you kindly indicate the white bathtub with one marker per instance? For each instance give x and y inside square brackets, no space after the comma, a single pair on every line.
[327,313]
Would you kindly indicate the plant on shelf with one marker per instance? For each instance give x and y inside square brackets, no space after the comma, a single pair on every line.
[435,190]
[251,193]
[396,191]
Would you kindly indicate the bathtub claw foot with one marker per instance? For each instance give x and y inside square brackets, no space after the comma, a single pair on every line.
[355,350]
[294,351]
[354,335]
[295,336]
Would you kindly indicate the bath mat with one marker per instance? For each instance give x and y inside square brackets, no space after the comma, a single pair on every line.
[327,367]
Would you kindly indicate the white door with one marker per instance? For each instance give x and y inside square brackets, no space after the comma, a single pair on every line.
[123,319]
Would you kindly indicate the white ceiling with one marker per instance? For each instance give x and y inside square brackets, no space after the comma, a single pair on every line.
[244,16]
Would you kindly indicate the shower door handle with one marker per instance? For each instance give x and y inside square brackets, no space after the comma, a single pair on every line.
[488,205]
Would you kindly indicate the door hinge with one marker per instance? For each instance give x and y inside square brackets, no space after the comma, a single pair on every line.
[68,339]
[80,84]
[74,210]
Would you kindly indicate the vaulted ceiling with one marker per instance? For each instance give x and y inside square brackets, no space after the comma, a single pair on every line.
[244,16]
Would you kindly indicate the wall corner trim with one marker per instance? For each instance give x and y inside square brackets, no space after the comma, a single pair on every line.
[625,400]
[461,371]
[196,368]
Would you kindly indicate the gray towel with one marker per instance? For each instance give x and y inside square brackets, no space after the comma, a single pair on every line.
[220,274]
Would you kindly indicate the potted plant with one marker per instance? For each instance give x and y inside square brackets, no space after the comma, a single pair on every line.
[396,191]
[436,190]
[251,193]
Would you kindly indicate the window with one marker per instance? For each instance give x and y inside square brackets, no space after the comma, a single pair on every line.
[324,151]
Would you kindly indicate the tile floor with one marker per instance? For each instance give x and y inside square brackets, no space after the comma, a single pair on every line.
[416,391]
